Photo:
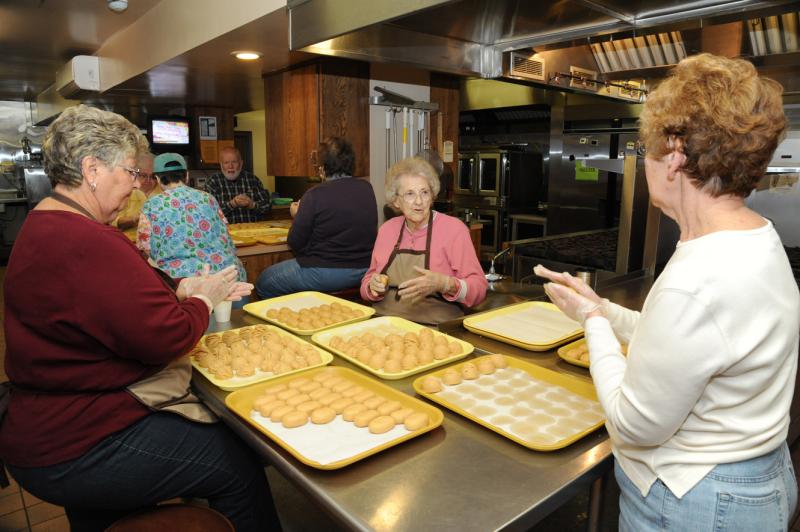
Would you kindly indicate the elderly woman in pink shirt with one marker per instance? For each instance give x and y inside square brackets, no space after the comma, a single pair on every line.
[424,266]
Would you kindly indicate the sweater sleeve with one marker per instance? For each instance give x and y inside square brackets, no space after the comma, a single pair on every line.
[647,396]
[466,268]
[131,310]
[303,224]
[384,243]
[623,321]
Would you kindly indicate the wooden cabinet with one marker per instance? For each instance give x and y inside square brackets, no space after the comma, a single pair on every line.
[258,258]
[307,104]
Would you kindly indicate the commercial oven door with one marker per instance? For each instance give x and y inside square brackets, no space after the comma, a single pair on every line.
[490,170]
[467,173]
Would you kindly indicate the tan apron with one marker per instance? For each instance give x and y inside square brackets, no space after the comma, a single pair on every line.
[168,390]
[432,309]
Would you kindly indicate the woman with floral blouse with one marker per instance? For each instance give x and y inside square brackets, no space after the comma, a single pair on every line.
[184,229]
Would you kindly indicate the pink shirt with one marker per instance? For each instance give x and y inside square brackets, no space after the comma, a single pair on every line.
[451,253]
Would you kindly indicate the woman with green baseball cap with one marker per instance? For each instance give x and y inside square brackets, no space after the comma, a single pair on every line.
[183,229]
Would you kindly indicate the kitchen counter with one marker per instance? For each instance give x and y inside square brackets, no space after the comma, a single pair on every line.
[433,481]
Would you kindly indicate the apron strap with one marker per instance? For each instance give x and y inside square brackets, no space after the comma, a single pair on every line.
[61,198]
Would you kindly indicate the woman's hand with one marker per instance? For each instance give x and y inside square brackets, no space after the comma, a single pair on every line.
[293,208]
[378,284]
[571,303]
[426,284]
[213,289]
[570,281]
[240,290]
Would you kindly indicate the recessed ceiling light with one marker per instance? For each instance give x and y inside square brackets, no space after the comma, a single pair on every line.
[246,55]
[118,5]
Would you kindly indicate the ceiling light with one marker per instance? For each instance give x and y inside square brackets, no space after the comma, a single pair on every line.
[246,55]
[118,6]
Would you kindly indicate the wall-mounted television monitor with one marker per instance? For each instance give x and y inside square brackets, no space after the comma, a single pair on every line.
[169,133]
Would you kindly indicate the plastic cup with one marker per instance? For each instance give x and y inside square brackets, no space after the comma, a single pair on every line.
[222,312]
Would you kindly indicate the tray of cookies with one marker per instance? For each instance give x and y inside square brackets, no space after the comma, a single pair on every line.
[577,353]
[536,407]
[533,325]
[256,230]
[392,348]
[305,313]
[331,417]
[240,357]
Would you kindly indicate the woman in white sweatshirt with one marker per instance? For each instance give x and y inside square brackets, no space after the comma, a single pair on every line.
[698,412]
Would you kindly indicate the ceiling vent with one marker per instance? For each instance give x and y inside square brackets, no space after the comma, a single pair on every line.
[774,35]
[527,66]
[643,51]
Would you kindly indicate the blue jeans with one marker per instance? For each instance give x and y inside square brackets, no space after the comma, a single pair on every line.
[288,277]
[160,457]
[753,495]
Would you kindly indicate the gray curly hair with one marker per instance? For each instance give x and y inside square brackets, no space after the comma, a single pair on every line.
[413,166]
[82,131]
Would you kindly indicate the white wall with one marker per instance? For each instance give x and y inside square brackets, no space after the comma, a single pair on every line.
[412,83]
[255,123]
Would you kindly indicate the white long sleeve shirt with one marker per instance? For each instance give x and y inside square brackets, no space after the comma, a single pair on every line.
[711,361]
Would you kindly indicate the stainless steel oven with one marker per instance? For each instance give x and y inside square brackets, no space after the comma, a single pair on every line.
[467,173]
[491,173]
[494,230]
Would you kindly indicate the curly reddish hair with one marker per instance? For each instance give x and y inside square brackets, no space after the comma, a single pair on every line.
[729,120]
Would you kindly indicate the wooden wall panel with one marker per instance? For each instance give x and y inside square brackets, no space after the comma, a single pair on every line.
[444,91]
[344,107]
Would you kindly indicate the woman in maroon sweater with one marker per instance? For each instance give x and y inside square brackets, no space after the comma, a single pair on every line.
[92,330]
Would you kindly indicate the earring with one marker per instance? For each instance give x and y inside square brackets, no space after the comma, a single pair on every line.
[93,185]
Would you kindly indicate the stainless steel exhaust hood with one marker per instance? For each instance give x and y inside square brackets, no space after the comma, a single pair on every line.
[476,37]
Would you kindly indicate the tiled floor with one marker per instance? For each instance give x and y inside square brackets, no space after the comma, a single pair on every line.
[20,510]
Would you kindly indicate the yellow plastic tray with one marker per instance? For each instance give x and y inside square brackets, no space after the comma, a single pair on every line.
[241,403]
[260,376]
[254,230]
[477,323]
[272,239]
[577,386]
[241,242]
[562,352]
[300,300]
[386,322]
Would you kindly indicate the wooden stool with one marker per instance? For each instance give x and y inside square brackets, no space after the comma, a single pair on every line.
[174,518]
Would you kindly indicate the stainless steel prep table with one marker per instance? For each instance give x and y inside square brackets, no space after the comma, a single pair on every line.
[460,475]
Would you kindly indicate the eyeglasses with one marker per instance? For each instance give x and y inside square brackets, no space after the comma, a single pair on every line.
[410,196]
[134,173]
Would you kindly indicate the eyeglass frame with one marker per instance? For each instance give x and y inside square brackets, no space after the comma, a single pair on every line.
[134,173]
[409,196]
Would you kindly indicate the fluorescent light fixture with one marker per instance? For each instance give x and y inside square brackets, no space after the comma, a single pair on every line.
[246,55]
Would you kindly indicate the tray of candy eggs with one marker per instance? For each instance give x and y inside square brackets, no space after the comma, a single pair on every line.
[248,355]
[391,347]
[305,313]
[331,417]
[536,407]
[577,353]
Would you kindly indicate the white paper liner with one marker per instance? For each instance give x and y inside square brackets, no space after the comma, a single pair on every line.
[332,442]
[533,410]
[531,325]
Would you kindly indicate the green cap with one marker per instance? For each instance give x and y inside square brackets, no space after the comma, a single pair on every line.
[167,162]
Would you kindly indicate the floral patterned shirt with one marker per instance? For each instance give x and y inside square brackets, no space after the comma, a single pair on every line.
[183,229]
